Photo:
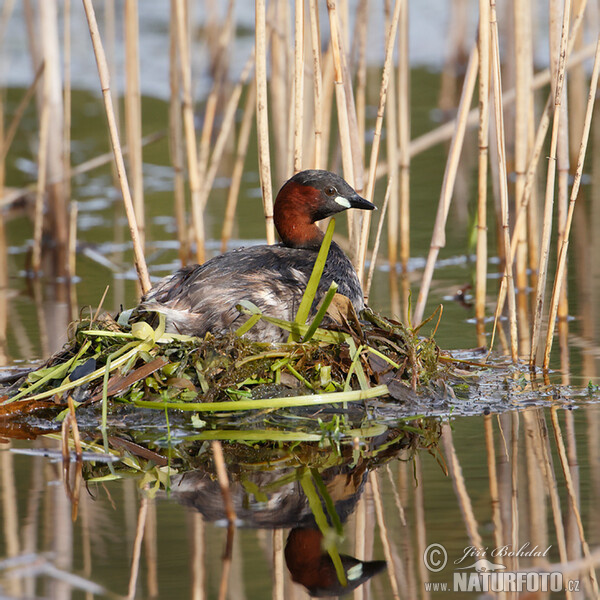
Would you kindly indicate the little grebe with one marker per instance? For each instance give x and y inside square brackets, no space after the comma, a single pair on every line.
[202,298]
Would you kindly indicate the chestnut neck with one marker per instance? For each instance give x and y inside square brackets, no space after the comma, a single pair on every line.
[293,215]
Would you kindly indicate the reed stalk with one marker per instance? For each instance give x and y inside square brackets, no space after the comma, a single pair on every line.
[262,118]
[66,158]
[340,96]
[278,565]
[384,536]
[385,78]
[133,113]
[188,126]
[224,133]
[350,144]
[150,550]
[438,239]
[549,198]
[493,480]
[5,15]
[315,37]
[458,481]
[279,89]
[238,166]
[140,262]
[404,137]
[420,527]
[482,175]
[56,217]
[360,37]
[562,254]
[445,132]
[220,43]
[38,222]
[572,494]
[197,563]
[547,468]
[392,115]
[137,548]
[514,486]
[524,115]
[503,178]
[176,143]
[298,84]
[72,258]
[563,168]
[13,127]
[384,209]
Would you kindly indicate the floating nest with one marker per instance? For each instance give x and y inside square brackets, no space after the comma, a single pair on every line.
[111,369]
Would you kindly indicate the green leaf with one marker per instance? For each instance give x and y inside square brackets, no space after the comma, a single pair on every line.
[313,283]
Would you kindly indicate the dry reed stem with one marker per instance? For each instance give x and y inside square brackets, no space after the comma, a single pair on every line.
[280,89]
[404,139]
[392,148]
[72,239]
[278,565]
[524,115]
[72,260]
[18,114]
[176,149]
[197,564]
[298,84]
[420,528]
[385,78]
[137,546]
[547,468]
[549,200]
[10,512]
[7,10]
[67,100]
[503,178]
[562,255]
[514,484]
[189,127]
[360,542]
[493,480]
[262,119]
[360,43]
[572,493]
[386,201]
[384,535]
[106,157]
[238,167]
[340,96]
[523,202]
[133,112]
[224,133]
[315,37]
[150,550]
[438,239]
[140,262]
[445,132]
[221,472]
[460,488]
[221,41]
[38,222]
[482,175]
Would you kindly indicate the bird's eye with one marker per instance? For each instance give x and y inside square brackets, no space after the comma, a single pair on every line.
[330,191]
